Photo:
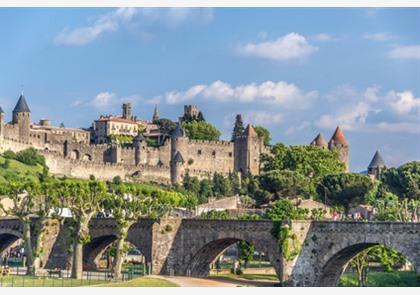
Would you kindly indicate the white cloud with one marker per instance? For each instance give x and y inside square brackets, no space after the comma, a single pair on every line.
[108,22]
[271,93]
[405,52]
[380,37]
[371,111]
[288,47]
[262,117]
[144,18]
[400,127]
[104,100]
[322,37]
[347,118]
[403,102]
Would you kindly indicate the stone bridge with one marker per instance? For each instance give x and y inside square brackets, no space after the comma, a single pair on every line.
[188,246]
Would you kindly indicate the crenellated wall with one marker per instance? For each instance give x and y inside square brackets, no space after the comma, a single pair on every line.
[208,156]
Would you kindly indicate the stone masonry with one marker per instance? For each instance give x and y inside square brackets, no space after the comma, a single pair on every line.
[188,246]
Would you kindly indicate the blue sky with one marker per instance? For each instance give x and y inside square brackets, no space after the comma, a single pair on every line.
[295,71]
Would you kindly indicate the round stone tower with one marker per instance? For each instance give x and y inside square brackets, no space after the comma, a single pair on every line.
[339,142]
[22,118]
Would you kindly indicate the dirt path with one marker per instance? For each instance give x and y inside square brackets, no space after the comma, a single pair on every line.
[215,282]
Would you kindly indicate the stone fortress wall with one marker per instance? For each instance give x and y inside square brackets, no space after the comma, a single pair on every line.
[69,151]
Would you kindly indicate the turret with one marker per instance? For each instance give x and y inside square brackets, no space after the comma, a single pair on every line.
[339,142]
[177,168]
[1,123]
[376,166]
[247,150]
[179,146]
[138,143]
[22,117]
[319,141]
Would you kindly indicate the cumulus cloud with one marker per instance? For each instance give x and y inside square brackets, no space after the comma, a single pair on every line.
[289,47]
[405,52]
[106,100]
[404,102]
[271,93]
[144,18]
[371,111]
[379,37]
[347,118]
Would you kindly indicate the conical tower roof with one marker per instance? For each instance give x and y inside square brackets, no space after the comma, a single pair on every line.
[377,161]
[338,137]
[319,140]
[178,158]
[250,131]
[178,132]
[21,105]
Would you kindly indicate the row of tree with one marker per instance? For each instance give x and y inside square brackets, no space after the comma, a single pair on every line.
[37,201]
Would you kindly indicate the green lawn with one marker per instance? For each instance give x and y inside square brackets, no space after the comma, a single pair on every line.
[141,282]
[383,279]
[30,281]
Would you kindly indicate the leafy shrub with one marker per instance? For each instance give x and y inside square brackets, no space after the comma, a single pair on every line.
[9,155]
[30,157]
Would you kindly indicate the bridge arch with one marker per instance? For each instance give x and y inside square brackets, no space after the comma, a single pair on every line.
[8,237]
[199,243]
[93,251]
[336,264]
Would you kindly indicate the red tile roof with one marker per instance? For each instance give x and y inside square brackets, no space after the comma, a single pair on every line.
[338,137]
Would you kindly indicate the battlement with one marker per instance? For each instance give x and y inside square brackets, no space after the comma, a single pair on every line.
[211,142]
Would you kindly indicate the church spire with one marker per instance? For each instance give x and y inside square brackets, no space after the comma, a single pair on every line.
[156,115]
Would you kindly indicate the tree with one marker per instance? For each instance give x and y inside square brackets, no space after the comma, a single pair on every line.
[215,214]
[283,209]
[345,189]
[238,129]
[30,199]
[126,207]
[264,134]
[222,187]
[404,182]
[285,184]
[386,257]
[201,130]
[166,126]
[206,190]
[246,252]
[84,198]
[30,157]
[308,160]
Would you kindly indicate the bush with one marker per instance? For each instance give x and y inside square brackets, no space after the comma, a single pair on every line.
[9,155]
[30,157]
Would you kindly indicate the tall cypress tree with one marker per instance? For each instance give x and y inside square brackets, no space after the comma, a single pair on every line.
[239,127]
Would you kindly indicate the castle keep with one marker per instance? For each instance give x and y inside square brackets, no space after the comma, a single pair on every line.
[78,153]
